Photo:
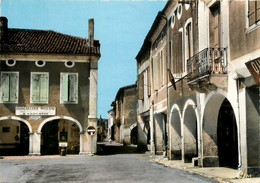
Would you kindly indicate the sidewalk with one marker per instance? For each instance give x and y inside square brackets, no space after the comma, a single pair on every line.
[221,174]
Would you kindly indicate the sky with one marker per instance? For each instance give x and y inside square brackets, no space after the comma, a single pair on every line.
[120,26]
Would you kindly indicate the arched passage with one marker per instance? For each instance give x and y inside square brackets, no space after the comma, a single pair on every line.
[14,136]
[216,129]
[190,131]
[175,133]
[227,136]
[60,129]
[134,135]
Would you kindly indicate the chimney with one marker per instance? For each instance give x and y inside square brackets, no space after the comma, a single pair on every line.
[3,29]
[91,32]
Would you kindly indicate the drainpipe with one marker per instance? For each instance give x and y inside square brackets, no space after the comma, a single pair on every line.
[167,94]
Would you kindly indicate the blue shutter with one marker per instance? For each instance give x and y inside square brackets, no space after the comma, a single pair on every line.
[13,87]
[72,89]
[35,87]
[5,87]
[43,87]
[64,88]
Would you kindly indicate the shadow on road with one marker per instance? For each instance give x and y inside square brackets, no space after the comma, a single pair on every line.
[109,148]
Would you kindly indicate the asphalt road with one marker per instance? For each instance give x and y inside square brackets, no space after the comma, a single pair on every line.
[114,163]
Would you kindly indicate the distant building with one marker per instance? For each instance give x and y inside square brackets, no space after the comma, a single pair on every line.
[110,131]
[102,128]
[125,115]
[48,90]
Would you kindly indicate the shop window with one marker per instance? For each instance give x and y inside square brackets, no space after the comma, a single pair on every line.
[39,88]
[9,87]
[69,88]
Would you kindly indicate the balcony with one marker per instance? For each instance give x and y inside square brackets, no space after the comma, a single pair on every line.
[206,63]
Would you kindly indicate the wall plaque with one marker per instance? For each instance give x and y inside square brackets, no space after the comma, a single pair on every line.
[35,111]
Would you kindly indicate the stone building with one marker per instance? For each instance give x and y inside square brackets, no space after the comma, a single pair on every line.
[125,115]
[110,130]
[208,112]
[48,90]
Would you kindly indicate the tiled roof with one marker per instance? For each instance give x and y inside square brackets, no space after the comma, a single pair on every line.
[45,41]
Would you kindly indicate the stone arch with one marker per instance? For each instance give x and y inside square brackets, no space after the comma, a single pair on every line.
[17,119]
[210,115]
[190,131]
[175,132]
[60,117]
[64,118]
[133,126]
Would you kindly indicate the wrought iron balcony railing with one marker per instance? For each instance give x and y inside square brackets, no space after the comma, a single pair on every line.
[207,62]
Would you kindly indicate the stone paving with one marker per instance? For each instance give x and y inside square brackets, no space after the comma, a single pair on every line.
[221,174]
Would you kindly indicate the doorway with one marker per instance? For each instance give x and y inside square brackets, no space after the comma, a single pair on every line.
[227,136]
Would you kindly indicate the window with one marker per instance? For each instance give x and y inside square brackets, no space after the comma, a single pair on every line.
[253,12]
[9,87]
[69,88]
[39,87]
[6,129]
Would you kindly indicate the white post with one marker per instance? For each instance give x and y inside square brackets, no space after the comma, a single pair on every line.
[35,144]
[152,130]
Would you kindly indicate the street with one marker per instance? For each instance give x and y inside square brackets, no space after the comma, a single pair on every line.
[120,165]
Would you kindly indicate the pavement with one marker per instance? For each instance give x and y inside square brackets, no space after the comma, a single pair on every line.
[221,174]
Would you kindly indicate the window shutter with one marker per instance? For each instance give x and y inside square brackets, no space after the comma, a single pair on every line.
[177,53]
[72,88]
[35,88]
[141,85]
[5,87]
[13,87]
[257,11]
[65,88]
[155,73]
[43,87]
[148,81]
[251,12]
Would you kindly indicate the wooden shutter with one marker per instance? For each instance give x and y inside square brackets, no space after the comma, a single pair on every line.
[5,87]
[65,88]
[148,81]
[13,87]
[177,53]
[257,11]
[155,73]
[72,87]
[251,12]
[216,27]
[35,87]
[165,65]
[43,87]
[161,68]
[141,86]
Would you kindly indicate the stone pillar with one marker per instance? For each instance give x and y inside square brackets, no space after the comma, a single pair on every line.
[92,117]
[152,130]
[35,144]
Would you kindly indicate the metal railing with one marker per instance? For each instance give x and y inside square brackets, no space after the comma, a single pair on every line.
[207,62]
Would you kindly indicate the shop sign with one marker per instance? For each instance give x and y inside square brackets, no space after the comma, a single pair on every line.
[35,111]
[254,67]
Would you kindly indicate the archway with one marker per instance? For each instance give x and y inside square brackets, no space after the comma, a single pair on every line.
[190,131]
[134,135]
[227,136]
[14,136]
[175,133]
[216,110]
[60,129]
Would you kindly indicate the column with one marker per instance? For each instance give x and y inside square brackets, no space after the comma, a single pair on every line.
[152,130]
[35,144]
[92,117]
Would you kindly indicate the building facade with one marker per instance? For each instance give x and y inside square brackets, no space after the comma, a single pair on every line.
[210,103]
[48,91]
[125,115]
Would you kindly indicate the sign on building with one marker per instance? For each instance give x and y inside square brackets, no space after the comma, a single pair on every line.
[254,67]
[35,111]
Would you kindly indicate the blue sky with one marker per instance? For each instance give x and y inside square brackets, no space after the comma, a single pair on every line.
[120,26]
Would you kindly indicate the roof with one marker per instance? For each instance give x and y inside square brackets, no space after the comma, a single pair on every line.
[46,41]
[124,88]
